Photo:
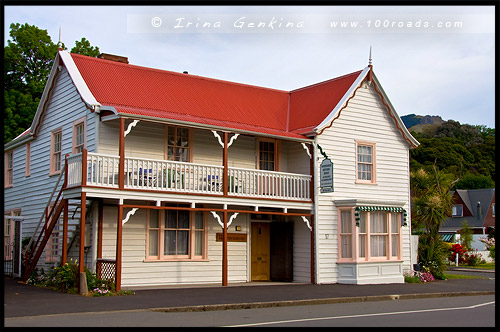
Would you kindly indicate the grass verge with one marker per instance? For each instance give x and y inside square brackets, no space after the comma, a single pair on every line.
[461,276]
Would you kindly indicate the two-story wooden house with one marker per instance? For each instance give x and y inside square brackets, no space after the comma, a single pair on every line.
[160,178]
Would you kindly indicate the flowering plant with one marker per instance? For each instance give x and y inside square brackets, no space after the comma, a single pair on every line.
[426,277]
[488,242]
[101,292]
[457,249]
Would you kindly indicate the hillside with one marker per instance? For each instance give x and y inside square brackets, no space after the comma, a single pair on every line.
[417,122]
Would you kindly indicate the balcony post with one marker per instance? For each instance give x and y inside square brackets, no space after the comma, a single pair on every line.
[65,233]
[225,184]
[118,271]
[99,229]
[224,249]
[84,167]
[121,152]
[81,256]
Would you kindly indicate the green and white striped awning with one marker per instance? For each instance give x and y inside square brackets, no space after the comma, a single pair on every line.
[446,237]
[369,208]
[379,208]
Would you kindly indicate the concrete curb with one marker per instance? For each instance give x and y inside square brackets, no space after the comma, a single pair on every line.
[255,305]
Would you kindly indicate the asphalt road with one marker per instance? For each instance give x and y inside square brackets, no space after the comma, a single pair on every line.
[465,311]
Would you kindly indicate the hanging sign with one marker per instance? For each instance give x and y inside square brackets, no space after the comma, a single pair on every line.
[326,176]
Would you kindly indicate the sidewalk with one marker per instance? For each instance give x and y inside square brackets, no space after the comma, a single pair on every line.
[26,300]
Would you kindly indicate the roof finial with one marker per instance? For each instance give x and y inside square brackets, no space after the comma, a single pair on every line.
[370,58]
[60,41]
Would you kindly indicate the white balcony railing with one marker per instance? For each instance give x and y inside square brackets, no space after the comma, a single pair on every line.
[164,175]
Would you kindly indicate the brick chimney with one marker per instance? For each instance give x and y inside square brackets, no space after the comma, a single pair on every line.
[113,57]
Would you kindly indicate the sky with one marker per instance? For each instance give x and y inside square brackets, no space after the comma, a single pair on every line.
[430,60]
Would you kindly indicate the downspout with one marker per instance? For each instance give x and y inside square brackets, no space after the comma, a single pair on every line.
[315,207]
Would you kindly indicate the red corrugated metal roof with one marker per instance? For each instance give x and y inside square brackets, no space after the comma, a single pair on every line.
[310,105]
[169,95]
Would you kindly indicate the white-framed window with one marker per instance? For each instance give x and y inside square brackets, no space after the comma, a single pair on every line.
[8,232]
[79,135]
[457,210]
[493,209]
[365,162]
[176,235]
[56,151]
[9,168]
[378,236]
[178,147]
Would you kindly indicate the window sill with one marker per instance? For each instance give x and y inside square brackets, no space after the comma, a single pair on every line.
[369,183]
[372,261]
[54,173]
[9,186]
[176,260]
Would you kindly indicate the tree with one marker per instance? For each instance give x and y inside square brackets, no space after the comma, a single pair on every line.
[28,59]
[431,205]
[466,235]
[83,47]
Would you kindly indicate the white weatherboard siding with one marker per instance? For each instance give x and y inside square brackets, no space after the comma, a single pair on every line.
[31,193]
[137,273]
[301,251]
[366,119]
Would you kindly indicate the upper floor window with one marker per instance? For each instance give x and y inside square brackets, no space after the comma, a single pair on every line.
[267,154]
[176,235]
[365,162]
[9,168]
[493,209]
[178,147]
[79,136]
[56,151]
[457,210]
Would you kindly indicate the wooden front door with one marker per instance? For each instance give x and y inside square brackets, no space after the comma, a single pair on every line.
[260,251]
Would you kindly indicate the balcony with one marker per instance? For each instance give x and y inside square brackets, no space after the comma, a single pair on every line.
[180,177]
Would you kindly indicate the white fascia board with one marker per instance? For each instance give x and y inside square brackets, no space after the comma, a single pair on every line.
[45,95]
[78,80]
[344,99]
[395,114]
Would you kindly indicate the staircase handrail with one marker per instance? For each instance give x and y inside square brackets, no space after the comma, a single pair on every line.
[45,209]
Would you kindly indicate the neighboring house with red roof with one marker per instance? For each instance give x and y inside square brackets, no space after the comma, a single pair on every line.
[170,178]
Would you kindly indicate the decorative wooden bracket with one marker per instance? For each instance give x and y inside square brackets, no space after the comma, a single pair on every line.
[129,214]
[307,150]
[129,128]
[307,223]
[233,138]
[232,218]
[216,216]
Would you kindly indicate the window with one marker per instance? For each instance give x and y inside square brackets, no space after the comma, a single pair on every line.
[346,233]
[365,162]
[267,155]
[28,159]
[78,135]
[176,235]
[178,147]
[8,232]
[377,237]
[9,168]
[56,151]
[493,209]
[457,210]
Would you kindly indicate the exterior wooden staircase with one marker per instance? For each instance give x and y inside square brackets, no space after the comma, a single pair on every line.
[48,245]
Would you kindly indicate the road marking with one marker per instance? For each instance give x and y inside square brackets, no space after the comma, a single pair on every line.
[363,315]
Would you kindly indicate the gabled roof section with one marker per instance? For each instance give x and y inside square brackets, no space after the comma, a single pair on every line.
[154,93]
[321,98]
[471,199]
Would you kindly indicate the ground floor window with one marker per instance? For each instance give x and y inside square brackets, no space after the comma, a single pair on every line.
[370,235]
[176,235]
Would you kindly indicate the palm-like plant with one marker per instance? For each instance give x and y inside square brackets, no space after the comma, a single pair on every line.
[431,205]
